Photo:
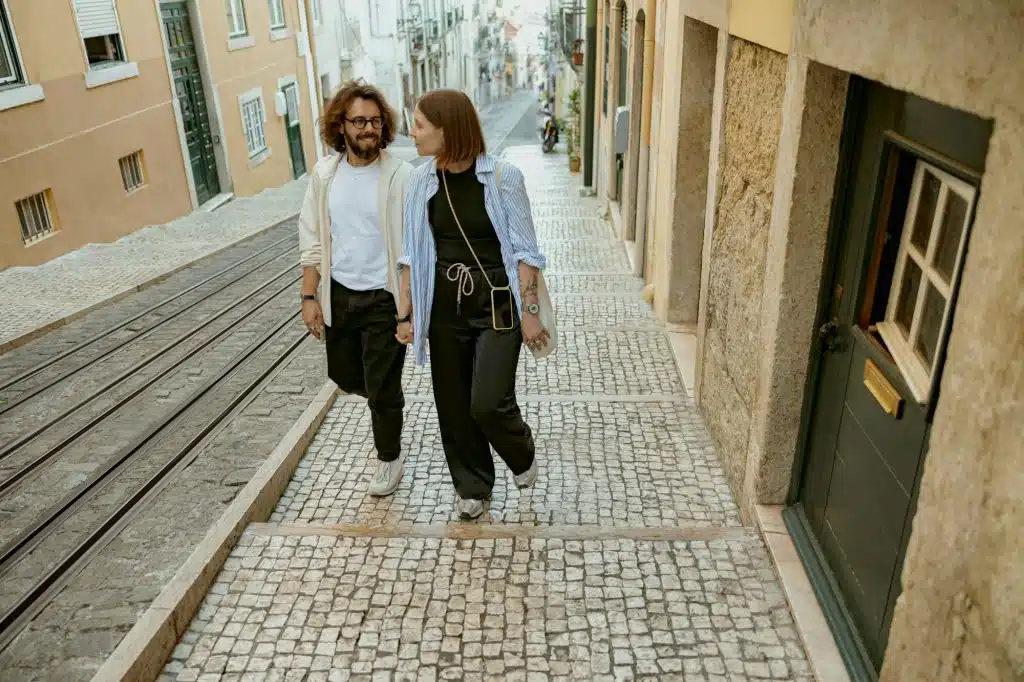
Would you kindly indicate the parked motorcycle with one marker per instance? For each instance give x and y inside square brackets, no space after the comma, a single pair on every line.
[549,138]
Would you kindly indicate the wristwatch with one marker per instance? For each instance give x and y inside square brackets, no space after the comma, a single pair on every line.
[532,308]
[309,297]
[403,320]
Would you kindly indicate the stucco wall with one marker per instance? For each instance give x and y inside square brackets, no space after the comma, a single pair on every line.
[754,85]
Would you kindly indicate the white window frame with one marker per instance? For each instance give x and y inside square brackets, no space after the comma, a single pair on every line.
[919,375]
[254,119]
[238,27]
[111,71]
[9,48]
[277,15]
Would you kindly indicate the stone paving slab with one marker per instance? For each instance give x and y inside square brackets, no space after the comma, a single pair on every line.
[340,608]
[610,362]
[610,463]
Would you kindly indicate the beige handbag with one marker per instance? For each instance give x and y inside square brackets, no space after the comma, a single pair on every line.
[546,312]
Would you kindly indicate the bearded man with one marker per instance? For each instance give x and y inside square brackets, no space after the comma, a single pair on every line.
[350,238]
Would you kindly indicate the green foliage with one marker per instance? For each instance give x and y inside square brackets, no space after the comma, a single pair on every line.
[575,123]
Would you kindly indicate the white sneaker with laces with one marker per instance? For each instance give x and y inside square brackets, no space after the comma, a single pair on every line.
[528,477]
[388,477]
[471,509]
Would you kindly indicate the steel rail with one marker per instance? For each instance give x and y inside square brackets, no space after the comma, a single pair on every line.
[11,481]
[50,361]
[56,578]
[31,536]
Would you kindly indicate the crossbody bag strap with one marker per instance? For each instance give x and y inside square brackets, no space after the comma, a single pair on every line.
[444,180]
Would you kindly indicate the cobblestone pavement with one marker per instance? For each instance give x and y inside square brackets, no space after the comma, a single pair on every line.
[627,560]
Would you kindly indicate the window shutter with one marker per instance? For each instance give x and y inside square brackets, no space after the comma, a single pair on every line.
[96,17]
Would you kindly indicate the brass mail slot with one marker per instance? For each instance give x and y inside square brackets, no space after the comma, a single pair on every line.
[886,395]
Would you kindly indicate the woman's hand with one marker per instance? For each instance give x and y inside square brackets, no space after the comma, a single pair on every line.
[313,317]
[534,333]
[404,333]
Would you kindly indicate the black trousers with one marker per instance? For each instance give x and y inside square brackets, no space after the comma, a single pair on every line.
[474,375]
[365,359]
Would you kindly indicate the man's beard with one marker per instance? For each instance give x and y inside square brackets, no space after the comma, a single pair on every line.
[359,146]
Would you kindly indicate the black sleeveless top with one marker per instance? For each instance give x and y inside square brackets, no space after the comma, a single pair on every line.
[467,195]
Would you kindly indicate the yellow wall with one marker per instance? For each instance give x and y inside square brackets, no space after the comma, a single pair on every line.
[70,141]
[766,22]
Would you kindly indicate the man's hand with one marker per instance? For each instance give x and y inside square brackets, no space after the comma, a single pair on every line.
[313,317]
[534,334]
[404,333]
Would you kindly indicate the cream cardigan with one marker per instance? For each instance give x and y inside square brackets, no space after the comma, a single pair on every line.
[315,221]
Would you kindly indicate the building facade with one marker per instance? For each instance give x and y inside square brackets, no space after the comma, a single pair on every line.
[140,112]
[88,143]
[826,195]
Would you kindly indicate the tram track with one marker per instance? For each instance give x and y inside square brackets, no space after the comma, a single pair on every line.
[91,514]
[9,483]
[14,382]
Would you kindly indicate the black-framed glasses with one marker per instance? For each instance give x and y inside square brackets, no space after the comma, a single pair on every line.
[360,122]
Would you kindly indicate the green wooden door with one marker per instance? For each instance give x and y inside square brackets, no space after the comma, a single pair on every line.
[907,187]
[291,98]
[188,88]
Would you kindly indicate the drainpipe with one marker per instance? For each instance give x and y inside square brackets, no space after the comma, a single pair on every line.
[590,76]
[640,226]
[305,25]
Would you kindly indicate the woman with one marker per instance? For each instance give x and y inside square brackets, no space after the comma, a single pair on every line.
[469,288]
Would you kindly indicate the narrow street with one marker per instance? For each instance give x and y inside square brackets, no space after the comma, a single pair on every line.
[627,560]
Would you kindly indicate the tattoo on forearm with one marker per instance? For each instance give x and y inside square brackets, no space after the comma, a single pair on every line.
[528,288]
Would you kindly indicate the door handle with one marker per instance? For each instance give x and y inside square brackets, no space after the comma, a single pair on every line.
[828,335]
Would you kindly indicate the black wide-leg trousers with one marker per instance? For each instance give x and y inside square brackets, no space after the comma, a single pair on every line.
[473,368]
[364,358]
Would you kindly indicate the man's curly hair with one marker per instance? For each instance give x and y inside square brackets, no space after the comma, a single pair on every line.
[333,121]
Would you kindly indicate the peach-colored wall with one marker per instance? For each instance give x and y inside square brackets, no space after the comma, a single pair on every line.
[236,72]
[70,141]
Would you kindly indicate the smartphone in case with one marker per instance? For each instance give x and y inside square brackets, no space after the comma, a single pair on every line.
[502,306]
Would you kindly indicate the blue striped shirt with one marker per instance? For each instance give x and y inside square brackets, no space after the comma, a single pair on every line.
[510,215]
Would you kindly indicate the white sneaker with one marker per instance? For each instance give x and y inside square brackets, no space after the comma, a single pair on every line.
[528,477]
[388,477]
[471,509]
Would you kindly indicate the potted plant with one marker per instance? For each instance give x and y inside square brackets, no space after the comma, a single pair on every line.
[573,124]
[577,52]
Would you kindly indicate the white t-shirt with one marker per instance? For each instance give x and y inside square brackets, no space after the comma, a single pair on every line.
[359,258]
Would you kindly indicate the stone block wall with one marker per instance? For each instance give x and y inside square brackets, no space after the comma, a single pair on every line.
[754,86]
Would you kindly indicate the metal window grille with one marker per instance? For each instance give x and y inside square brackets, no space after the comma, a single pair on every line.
[252,123]
[131,171]
[34,214]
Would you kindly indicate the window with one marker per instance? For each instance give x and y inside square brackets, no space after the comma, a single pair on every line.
[35,217]
[927,269]
[253,117]
[10,68]
[131,171]
[236,18]
[276,13]
[315,8]
[101,32]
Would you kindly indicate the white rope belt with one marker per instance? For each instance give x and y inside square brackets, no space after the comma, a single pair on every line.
[460,273]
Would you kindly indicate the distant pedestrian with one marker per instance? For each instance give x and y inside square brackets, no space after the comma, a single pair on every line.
[469,287]
[350,237]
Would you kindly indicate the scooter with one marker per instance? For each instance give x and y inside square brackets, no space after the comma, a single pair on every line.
[549,138]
